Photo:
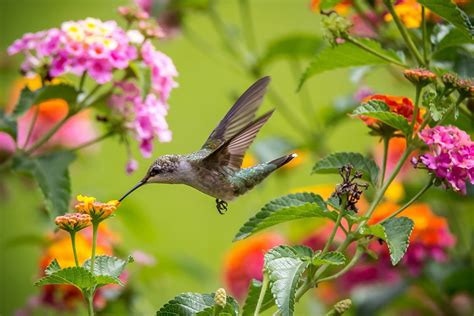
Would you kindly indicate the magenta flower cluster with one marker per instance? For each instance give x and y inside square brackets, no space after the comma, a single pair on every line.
[89,45]
[451,156]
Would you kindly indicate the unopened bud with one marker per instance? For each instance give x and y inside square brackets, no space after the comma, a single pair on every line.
[342,306]
[220,298]
[335,27]
[419,77]
[449,80]
[73,222]
[465,87]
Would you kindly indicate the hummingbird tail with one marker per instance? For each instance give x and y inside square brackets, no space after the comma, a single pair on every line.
[283,160]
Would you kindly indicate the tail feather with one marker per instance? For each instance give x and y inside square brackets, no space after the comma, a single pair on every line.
[283,160]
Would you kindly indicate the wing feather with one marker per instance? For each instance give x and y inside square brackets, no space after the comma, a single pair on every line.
[241,114]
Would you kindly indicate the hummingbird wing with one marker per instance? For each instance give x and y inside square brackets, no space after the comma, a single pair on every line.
[231,153]
[239,116]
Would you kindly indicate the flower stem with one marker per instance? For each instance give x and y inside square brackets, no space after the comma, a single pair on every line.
[412,200]
[95,228]
[82,81]
[247,25]
[73,242]
[265,282]
[426,43]
[403,31]
[336,226]
[374,52]
[32,126]
[415,111]
[93,141]
[93,91]
[357,255]
[48,135]
[386,142]
[90,305]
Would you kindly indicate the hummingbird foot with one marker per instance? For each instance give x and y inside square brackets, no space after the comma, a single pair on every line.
[221,206]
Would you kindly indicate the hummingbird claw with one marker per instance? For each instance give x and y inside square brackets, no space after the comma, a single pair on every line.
[221,206]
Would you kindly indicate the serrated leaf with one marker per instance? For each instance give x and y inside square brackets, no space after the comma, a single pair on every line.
[284,270]
[190,304]
[451,13]
[52,267]
[252,299]
[77,276]
[284,209]
[398,231]
[346,55]
[51,173]
[376,230]
[331,257]
[29,98]
[379,110]
[292,46]
[333,162]
[107,279]
[108,265]
[8,124]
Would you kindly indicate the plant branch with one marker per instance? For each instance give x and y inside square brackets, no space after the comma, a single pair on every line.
[32,126]
[95,229]
[93,141]
[403,31]
[73,242]
[374,52]
[415,112]
[355,258]
[265,283]
[426,43]
[386,142]
[48,135]
[336,226]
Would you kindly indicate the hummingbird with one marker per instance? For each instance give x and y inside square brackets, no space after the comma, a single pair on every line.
[215,169]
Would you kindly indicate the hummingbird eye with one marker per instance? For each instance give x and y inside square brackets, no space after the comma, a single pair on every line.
[154,171]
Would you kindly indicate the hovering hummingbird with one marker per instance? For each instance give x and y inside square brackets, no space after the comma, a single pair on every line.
[215,168]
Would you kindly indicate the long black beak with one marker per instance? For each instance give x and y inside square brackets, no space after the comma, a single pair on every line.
[139,184]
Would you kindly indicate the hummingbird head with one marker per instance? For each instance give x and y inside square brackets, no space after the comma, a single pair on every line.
[163,170]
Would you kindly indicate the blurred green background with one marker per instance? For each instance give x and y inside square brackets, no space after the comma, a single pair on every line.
[178,225]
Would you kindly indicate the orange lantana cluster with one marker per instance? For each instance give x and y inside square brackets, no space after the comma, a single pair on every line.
[98,211]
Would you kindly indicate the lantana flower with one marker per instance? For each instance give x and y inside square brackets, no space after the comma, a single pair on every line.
[73,222]
[451,156]
[409,12]
[98,211]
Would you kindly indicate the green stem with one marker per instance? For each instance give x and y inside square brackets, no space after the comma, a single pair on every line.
[386,142]
[415,111]
[32,126]
[357,255]
[374,52]
[426,43]
[82,81]
[336,226]
[48,135]
[95,228]
[403,31]
[73,242]
[412,200]
[265,283]
[93,141]
[93,91]
[90,305]
[247,25]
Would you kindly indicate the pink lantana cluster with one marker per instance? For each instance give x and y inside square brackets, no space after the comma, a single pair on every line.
[451,156]
[89,45]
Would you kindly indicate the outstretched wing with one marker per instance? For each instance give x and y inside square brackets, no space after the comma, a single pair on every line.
[231,153]
[239,116]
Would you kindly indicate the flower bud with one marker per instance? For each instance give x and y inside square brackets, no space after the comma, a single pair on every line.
[335,27]
[220,298]
[73,222]
[465,87]
[449,80]
[342,306]
[419,77]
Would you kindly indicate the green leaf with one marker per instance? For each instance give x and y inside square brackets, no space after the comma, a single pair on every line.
[108,265]
[52,267]
[331,257]
[8,124]
[292,46]
[346,55]
[190,304]
[328,4]
[77,276]
[376,230]
[398,231]
[333,162]
[284,269]
[252,299]
[455,37]
[379,110]
[101,280]
[451,13]
[51,172]
[286,208]
[29,98]
[143,75]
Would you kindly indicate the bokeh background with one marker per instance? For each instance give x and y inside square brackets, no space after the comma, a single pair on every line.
[177,225]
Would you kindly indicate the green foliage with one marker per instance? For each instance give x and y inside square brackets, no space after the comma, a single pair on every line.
[328,4]
[77,276]
[252,299]
[455,37]
[333,162]
[286,208]
[376,230]
[397,232]
[188,304]
[346,55]
[331,257]
[451,13]
[379,110]
[29,98]
[285,267]
[108,265]
[8,124]
[52,267]
[292,46]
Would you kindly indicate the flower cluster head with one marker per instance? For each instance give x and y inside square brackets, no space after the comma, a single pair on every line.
[451,156]
[89,45]
[399,105]
[419,77]
[350,188]
[98,211]
[73,222]
[335,27]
